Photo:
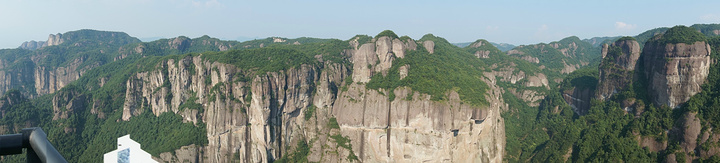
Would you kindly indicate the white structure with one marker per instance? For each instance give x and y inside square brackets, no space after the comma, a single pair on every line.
[128,151]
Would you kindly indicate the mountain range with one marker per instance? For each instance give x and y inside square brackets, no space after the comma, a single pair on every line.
[383,98]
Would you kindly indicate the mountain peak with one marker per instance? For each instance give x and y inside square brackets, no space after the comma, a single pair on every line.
[680,34]
[107,37]
[388,33]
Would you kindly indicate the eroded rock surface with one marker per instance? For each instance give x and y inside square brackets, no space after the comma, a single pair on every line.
[263,119]
[617,68]
[675,72]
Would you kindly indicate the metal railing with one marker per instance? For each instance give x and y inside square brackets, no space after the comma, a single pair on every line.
[34,140]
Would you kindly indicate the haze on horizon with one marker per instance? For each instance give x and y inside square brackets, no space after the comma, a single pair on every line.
[514,22]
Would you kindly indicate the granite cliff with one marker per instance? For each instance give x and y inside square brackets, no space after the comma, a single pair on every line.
[675,70]
[617,69]
[263,117]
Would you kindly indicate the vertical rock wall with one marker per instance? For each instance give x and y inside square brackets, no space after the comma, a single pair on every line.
[675,72]
[617,68]
[263,119]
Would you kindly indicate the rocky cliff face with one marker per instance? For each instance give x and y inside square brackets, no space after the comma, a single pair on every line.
[67,103]
[675,71]
[48,79]
[511,75]
[687,134]
[55,39]
[579,99]
[32,45]
[255,120]
[481,53]
[617,68]
[262,119]
[19,77]
[40,80]
[44,71]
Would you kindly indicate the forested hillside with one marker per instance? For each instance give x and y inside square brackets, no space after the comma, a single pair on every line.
[628,126]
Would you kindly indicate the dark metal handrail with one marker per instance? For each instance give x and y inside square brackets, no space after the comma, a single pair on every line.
[35,141]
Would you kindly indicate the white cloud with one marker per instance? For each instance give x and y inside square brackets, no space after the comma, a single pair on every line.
[710,18]
[624,26]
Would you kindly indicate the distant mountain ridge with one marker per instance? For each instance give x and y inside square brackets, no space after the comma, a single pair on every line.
[598,41]
[504,47]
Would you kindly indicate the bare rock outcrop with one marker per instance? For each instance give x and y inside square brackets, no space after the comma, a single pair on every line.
[429,46]
[578,99]
[530,59]
[482,54]
[253,120]
[67,102]
[569,68]
[508,73]
[412,128]
[537,80]
[403,71]
[687,133]
[377,56]
[187,154]
[675,72]
[48,80]
[522,55]
[617,68]
[55,39]
[511,75]
[262,118]
[47,71]
[33,45]
[180,43]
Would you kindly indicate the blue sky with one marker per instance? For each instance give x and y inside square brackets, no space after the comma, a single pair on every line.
[507,21]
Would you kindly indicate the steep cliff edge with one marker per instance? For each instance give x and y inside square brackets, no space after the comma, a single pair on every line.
[33,45]
[579,99]
[617,67]
[324,106]
[672,93]
[676,65]
[59,61]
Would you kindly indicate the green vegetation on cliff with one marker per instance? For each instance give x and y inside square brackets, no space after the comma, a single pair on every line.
[551,132]
[710,30]
[706,29]
[611,129]
[559,56]
[387,33]
[681,34]
[706,102]
[91,129]
[263,59]
[448,68]
[557,134]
